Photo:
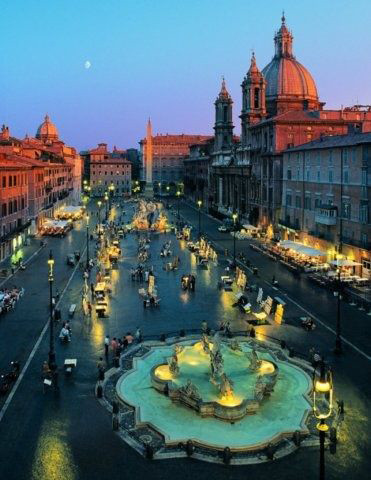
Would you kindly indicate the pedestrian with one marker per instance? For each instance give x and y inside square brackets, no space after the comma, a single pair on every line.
[114,346]
[129,337]
[204,326]
[138,335]
[106,345]
[100,365]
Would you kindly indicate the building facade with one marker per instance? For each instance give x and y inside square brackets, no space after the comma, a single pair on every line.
[326,195]
[168,153]
[109,168]
[280,109]
[46,175]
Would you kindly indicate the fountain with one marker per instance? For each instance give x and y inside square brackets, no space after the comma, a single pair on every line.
[237,393]
[148,216]
[226,382]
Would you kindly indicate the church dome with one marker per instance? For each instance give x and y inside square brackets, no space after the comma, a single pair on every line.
[286,76]
[289,84]
[47,130]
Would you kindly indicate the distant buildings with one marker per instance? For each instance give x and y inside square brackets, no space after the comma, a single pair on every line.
[281,110]
[169,153]
[109,169]
[37,176]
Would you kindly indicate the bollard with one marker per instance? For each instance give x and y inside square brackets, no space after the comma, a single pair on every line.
[99,391]
[297,438]
[227,455]
[149,451]
[270,452]
[190,448]
[115,407]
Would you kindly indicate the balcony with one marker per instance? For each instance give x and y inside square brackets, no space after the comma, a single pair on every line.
[326,215]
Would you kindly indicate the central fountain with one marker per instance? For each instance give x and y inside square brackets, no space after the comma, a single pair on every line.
[216,379]
[149,216]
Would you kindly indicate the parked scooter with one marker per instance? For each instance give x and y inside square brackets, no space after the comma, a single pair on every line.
[308,324]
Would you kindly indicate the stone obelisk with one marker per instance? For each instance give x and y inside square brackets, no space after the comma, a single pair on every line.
[148,193]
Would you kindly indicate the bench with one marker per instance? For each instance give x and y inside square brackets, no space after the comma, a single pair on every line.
[69,365]
[72,309]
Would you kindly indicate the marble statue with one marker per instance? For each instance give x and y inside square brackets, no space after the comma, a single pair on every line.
[235,345]
[190,390]
[178,349]
[225,386]
[254,360]
[173,365]
[205,343]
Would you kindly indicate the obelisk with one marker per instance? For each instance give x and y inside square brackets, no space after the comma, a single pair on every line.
[148,193]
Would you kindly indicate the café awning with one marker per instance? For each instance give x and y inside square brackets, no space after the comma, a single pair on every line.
[303,249]
[345,263]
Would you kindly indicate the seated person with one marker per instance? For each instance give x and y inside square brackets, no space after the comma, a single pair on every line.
[64,334]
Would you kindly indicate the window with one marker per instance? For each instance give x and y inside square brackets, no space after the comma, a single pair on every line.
[289,173]
[256,97]
[308,175]
[318,175]
[345,156]
[346,176]
[345,209]
[364,176]
[15,206]
[298,201]
[10,183]
[15,180]
[363,213]
[364,240]
[308,203]
[10,208]
[317,203]
[330,176]
[288,199]
[330,159]
[4,182]
[3,209]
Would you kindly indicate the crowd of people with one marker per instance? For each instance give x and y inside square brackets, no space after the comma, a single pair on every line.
[9,297]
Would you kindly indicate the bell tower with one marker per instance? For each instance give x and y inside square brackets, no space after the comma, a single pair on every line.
[223,119]
[253,98]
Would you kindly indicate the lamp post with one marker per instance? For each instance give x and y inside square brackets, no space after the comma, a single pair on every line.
[87,241]
[234,216]
[178,197]
[322,408]
[106,200]
[338,342]
[168,189]
[111,193]
[199,203]
[52,364]
[99,203]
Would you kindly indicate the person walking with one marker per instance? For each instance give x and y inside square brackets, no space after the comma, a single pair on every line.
[106,346]
[100,365]
[204,326]
[138,335]
[114,346]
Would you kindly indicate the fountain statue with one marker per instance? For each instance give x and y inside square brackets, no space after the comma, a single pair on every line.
[190,390]
[173,365]
[205,343]
[225,386]
[260,388]
[235,346]
[254,360]
[178,349]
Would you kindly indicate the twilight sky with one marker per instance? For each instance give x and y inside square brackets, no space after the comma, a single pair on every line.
[164,59]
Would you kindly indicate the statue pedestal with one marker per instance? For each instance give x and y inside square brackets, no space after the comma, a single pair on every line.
[148,191]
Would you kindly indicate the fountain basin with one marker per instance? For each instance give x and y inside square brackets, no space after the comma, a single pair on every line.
[206,400]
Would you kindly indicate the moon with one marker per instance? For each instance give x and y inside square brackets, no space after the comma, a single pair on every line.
[87,64]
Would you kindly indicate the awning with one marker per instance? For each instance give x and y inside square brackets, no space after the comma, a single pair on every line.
[303,249]
[345,263]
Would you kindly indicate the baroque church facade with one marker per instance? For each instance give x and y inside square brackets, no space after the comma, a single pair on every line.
[280,110]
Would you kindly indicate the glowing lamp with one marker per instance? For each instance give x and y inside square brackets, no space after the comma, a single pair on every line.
[322,394]
[199,203]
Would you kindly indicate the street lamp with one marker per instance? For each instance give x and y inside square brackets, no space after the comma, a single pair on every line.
[99,203]
[337,293]
[234,216]
[52,364]
[111,193]
[178,197]
[106,200]
[322,408]
[199,203]
[168,189]
[87,241]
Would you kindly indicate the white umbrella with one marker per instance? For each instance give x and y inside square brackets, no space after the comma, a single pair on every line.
[345,263]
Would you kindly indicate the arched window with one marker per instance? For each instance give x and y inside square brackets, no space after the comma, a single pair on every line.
[256,98]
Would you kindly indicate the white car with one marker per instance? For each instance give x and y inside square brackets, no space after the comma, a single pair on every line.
[223,229]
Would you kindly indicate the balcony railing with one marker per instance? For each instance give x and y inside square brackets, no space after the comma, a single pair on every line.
[326,215]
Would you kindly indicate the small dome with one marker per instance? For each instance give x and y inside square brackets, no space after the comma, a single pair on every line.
[285,76]
[47,130]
